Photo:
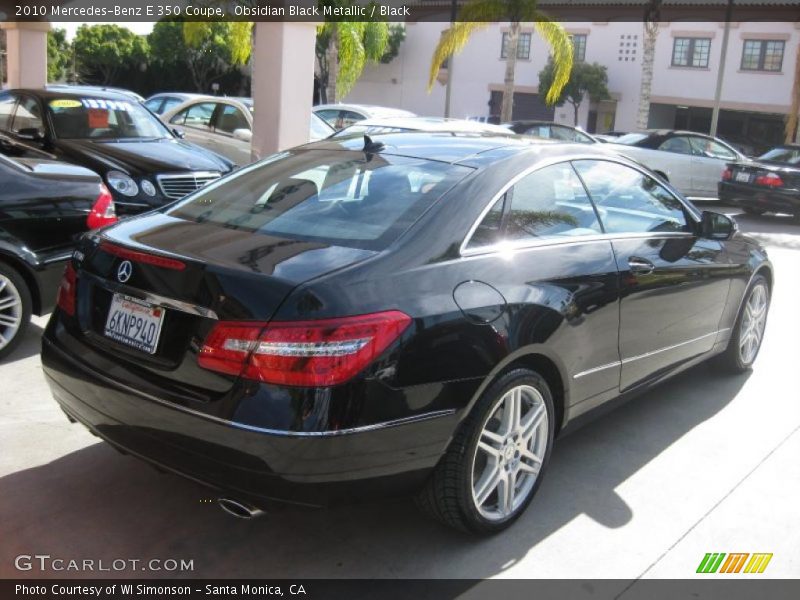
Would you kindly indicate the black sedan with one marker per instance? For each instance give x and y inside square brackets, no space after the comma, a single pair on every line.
[770,183]
[408,313]
[144,164]
[45,206]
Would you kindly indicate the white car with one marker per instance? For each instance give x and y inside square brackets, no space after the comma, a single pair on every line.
[426,124]
[692,162]
[225,125]
[340,116]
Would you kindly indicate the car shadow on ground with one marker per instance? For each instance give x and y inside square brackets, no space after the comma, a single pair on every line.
[29,345]
[95,503]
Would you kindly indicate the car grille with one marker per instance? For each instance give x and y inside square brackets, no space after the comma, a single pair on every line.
[177,185]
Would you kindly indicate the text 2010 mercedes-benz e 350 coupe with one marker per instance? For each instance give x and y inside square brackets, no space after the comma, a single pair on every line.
[413,312]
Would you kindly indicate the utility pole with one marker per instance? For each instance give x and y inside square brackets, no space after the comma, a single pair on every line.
[448,90]
[721,73]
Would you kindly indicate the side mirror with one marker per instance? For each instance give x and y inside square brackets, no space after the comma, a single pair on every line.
[31,134]
[244,135]
[178,133]
[716,226]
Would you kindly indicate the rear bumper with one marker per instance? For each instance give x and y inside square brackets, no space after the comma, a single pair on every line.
[245,462]
[764,198]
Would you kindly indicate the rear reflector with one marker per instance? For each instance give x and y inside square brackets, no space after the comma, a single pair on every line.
[301,353]
[103,211]
[67,290]
[142,257]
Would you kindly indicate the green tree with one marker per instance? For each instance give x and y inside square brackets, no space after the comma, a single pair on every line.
[397,33]
[586,79]
[59,54]
[343,49]
[478,14]
[102,50]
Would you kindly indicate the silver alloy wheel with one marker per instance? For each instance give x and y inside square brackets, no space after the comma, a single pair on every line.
[10,311]
[509,454]
[754,319]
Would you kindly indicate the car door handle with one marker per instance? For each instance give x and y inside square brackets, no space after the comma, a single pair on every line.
[640,265]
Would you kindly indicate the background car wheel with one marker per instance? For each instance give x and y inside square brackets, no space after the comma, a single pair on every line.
[754,211]
[496,460]
[15,309]
[748,332]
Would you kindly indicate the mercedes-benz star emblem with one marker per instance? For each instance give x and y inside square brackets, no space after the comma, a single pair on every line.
[124,271]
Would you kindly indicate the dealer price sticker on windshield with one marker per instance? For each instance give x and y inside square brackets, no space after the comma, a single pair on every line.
[134,323]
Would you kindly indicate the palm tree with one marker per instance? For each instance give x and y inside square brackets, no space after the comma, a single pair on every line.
[792,133]
[478,14]
[652,16]
[344,47]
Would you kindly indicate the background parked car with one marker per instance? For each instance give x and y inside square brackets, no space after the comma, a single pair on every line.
[769,183]
[144,164]
[550,130]
[225,125]
[429,124]
[94,88]
[340,116]
[160,103]
[45,206]
[692,162]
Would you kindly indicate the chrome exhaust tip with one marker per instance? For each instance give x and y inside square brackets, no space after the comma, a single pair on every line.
[238,509]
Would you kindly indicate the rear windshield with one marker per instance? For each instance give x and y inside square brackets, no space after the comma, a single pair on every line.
[337,197]
[786,155]
[630,138]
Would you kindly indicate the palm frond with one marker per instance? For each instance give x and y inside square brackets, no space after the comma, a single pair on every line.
[562,51]
[376,38]
[241,42]
[352,55]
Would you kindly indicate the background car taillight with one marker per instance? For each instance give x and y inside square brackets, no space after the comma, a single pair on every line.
[769,180]
[301,353]
[67,290]
[103,212]
[727,174]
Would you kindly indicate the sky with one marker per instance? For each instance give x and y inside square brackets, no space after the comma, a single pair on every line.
[137,27]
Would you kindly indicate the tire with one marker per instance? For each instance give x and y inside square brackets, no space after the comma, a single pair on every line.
[736,359]
[448,495]
[754,211]
[15,309]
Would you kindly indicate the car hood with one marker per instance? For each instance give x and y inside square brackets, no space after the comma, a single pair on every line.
[142,157]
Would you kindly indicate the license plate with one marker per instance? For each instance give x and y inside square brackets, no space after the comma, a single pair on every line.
[134,323]
[743,176]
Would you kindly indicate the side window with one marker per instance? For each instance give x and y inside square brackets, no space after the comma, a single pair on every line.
[231,119]
[328,115]
[489,230]
[7,102]
[550,202]
[154,105]
[348,117]
[169,104]
[679,145]
[711,149]
[28,116]
[196,115]
[629,201]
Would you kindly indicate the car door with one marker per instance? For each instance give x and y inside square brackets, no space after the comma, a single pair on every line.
[228,119]
[709,158]
[676,162]
[195,122]
[674,283]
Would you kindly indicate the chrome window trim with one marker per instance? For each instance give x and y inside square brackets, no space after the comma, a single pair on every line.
[150,297]
[505,246]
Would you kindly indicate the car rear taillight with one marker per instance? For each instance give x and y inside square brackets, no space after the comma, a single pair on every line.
[67,290]
[770,180]
[727,174]
[103,211]
[301,353]
[142,257]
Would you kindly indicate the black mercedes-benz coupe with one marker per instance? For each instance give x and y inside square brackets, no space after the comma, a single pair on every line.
[144,164]
[409,313]
[45,207]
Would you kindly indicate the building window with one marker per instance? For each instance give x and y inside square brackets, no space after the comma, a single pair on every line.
[579,46]
[523,46]
[691,52]
[762,55]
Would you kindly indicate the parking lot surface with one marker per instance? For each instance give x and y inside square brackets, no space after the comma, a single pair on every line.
[704,463]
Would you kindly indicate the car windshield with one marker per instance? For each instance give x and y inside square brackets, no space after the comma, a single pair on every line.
[630,138]
[786,155]
[98,118]
[352,199]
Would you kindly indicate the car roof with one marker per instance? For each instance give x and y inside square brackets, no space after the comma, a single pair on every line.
[72,91]
[371,109]
[185,95]
[431,124]
[94,88]
[469,149]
